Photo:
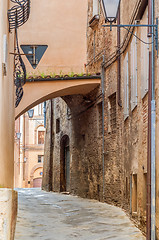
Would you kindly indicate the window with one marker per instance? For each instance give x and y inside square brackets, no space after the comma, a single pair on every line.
[58,125]
[133,73]
[134,193]
[41,137]
[112,113]
[126,87]
[40,158]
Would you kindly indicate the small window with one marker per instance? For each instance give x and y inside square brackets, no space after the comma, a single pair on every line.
[58,125]
[41,137]
[40,158]
[134,193]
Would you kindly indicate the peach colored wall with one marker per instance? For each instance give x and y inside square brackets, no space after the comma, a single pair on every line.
[6,103]
[17,163]
[62,26]
[29,149]
[48,90]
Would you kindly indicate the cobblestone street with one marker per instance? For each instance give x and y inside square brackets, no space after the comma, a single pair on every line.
[53,216]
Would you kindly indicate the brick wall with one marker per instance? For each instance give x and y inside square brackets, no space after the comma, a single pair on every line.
[125,147]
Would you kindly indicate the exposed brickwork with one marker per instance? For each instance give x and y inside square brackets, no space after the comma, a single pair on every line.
[125,148]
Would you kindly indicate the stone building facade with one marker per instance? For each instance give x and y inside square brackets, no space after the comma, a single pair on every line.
[106,131]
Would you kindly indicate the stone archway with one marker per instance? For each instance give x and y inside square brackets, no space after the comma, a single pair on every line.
[39,165]
[52,88]
[64,164]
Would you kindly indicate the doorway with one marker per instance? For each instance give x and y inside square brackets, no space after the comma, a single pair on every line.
[64,164]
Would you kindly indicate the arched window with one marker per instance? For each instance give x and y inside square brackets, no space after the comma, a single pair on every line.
[40,135]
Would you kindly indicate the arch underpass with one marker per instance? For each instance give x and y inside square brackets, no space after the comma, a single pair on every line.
[37,91]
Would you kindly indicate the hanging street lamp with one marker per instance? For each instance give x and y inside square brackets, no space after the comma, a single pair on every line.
[111,9]
[31,113]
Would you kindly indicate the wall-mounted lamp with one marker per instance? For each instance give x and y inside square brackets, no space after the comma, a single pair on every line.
[111,8]
[31,113]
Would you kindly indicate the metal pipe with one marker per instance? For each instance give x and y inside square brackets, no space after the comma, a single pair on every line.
[148,207]
[51,148]
[103,140]
[23,149]
[44,110]
[131,194]
[153,138]
[118,64]
[149,34]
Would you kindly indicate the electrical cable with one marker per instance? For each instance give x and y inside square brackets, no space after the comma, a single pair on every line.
[137,36]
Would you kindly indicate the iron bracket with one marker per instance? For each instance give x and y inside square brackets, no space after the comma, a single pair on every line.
[155,26]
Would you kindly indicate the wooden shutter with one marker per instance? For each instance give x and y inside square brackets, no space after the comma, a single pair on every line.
[126,86]
[134,95]
[144,62]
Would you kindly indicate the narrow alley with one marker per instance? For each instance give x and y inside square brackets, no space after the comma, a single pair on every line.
[53,216]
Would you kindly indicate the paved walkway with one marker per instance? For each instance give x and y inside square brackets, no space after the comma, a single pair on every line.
[52,216]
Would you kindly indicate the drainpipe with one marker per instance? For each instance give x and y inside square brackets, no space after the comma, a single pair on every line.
[118,64]
[148,210]
[51,147]
[103,141]
[23,151]
[153,142]
[44,111]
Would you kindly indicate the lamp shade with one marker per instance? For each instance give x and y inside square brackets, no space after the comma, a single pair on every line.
[31,113]
[18,134]
[111,8]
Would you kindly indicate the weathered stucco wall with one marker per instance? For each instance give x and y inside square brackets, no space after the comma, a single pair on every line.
[62,26]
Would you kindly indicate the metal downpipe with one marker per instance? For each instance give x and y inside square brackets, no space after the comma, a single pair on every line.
[103,140]
[153,140]
[118,63]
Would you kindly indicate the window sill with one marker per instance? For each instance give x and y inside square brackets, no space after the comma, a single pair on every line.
[94,21]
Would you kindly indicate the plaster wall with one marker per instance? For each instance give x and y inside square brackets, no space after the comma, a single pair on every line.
[62,26]
[6,102]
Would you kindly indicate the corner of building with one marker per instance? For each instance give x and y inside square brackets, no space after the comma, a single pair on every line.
[8,213]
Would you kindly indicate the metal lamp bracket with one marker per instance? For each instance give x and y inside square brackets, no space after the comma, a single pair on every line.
[155,26]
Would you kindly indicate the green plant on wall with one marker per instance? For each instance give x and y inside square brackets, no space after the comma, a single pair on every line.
[52,75]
